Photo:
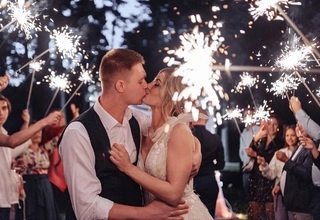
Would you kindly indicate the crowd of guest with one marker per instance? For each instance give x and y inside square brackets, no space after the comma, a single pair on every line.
[281,166]
[284,175]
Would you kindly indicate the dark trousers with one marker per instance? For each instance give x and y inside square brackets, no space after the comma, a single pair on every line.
[207,189]
[315,203]
[4,213]
[62,200]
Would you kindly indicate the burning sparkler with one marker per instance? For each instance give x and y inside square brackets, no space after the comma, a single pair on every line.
[36,67]
[23,17]
[234,115]
[58,82]
[195,60]
[270,8]
[247,81]
[85,78]
[294,56]
[248,119]
[66,43]
[262,113]
[284,84]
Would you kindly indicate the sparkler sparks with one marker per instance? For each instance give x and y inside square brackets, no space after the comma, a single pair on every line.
[36,65]
[294,56]
[249,119]
[262,113]
[58,82]
[85,77]
[269,8]
[233,113]
[247,81]
[195,57]
[24,18]
[284,84]
[67,43]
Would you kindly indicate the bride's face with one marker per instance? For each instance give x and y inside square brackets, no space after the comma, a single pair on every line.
[155,91]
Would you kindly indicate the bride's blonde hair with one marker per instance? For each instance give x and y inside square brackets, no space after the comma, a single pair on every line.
[172,84]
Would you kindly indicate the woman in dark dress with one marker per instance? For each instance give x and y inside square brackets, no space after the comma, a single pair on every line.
[265,143]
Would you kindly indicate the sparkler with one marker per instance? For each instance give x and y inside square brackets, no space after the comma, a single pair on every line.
[59,82]
[233,115]
[247,81]
[262,113]
[284,84]
[295,57]
[36,67]
[270,9]
[24,18]
[249,119]
[85,77]
[66,43]
[196,53]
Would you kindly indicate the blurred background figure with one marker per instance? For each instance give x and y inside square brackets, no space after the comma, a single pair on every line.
[212,150]
[265,143]
[273,170]
[245,140]
[50,139]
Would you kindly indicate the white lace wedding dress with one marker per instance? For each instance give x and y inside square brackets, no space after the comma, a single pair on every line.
[155,165]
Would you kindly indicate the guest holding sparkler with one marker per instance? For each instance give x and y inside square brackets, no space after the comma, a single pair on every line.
[12,141]
[295,182]
[39,203]
[313,130]
[264,144]
[50,138]
[245,139]
[273,170]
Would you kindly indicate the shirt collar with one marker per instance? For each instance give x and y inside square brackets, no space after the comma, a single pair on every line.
[107,120]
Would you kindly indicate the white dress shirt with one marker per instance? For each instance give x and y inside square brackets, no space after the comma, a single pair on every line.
[5,175]
[79,161]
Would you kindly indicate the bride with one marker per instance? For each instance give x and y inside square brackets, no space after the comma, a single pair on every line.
[165,157]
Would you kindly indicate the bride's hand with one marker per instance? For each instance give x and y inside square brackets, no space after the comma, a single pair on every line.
[120,157]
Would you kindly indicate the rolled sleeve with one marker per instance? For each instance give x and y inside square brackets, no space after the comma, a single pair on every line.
[79,168]
[311,127]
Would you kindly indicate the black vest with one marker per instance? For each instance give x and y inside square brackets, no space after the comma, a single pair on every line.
[116,185]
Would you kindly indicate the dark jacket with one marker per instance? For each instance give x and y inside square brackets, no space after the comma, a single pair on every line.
[298,187]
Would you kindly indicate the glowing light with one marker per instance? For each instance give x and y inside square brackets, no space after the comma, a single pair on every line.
[294,56]
[67,43]
[24,18]
[284,84]
[58,82]
[36,65]
[262,113]
[247,81]
[195,60]
[249,119]
[86,74]
[269,8]
[233,113]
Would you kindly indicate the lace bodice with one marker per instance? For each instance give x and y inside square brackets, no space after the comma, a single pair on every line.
[155,163]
